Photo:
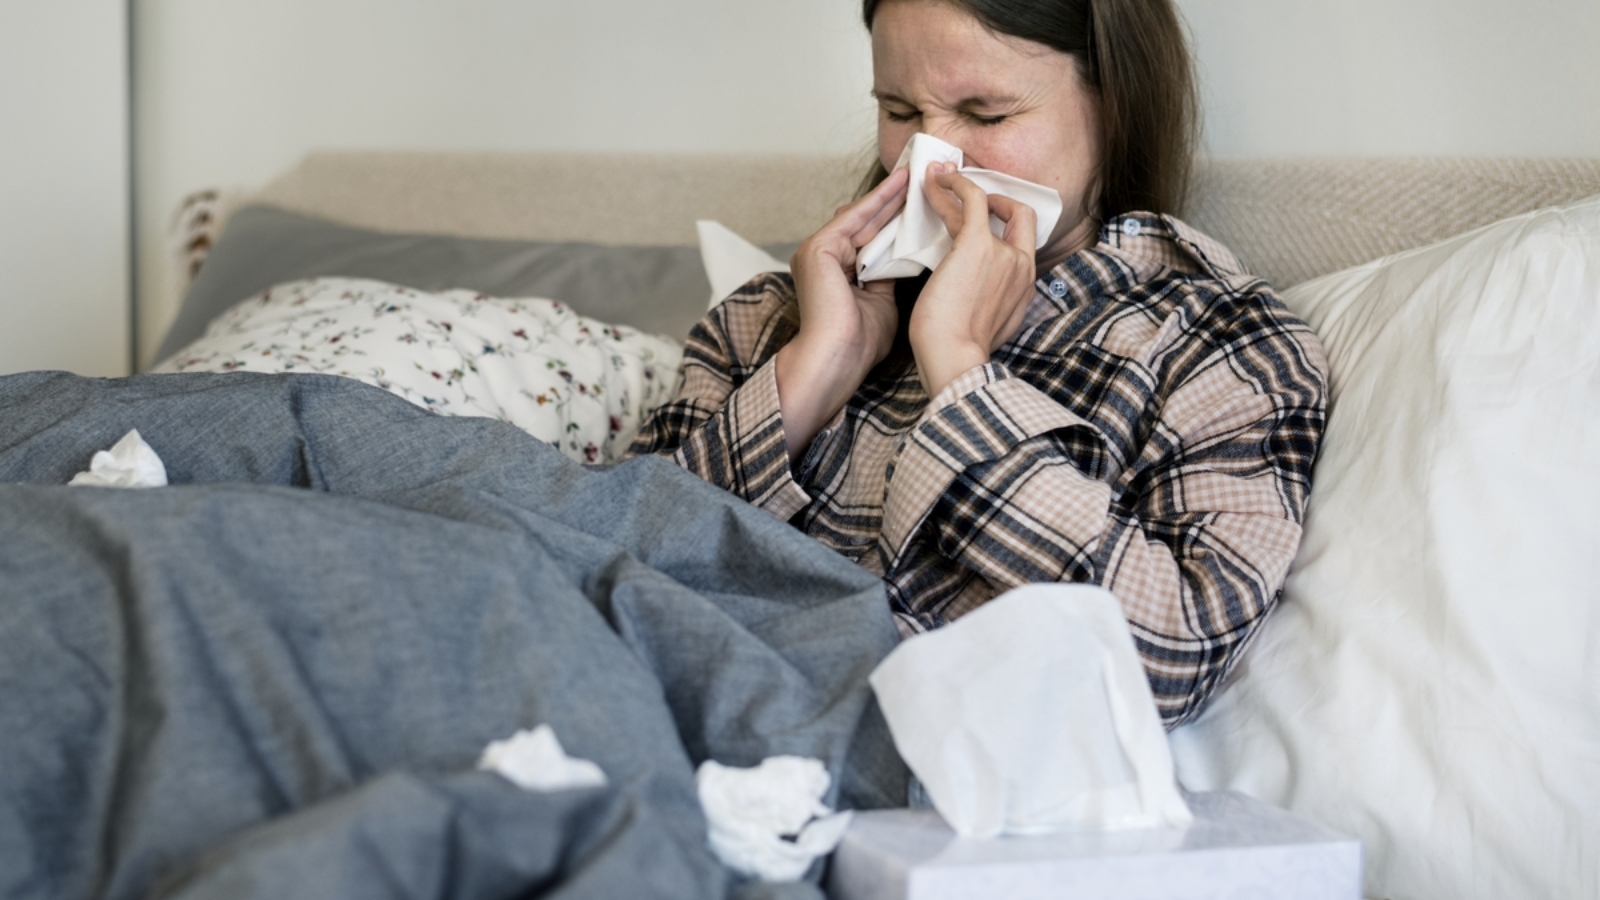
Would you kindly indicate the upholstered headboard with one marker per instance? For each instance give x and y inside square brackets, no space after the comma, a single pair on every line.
[1294,219]
[607,198]
[1288,219]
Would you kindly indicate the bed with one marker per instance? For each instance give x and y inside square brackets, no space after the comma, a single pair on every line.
[1428,684]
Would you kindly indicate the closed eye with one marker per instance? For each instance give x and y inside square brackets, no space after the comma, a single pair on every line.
[899,117]
[985,120]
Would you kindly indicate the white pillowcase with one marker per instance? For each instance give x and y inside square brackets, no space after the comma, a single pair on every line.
[1431,683]
[582,385]
[730,260]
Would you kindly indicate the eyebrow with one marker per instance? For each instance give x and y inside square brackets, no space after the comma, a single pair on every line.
[967,104]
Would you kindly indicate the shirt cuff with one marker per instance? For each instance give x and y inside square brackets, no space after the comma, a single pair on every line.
[978,417]
[759,454]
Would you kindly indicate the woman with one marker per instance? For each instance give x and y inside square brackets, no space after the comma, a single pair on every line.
[1122,406]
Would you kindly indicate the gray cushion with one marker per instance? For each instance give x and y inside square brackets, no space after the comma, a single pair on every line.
[657,289]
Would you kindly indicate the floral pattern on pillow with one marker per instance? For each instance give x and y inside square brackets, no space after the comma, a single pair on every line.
[582,385]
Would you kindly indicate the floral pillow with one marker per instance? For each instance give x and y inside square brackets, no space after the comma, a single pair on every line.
[580,384]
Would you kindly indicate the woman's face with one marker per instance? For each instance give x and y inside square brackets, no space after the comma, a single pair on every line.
[1011,105]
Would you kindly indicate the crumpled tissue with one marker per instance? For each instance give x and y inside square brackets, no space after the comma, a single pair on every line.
[533,760]
[916,239]
[1032,714]
[769,822]
[130,463]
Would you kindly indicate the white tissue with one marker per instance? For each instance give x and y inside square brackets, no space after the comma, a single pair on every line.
[130,463]
[916,239]
[534,761]
[1032,714]
[769,822]
[730,260]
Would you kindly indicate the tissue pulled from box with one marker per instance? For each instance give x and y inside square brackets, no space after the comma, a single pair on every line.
[769,822]
[916,238]
[1032,714]
[130,463]
[534,760]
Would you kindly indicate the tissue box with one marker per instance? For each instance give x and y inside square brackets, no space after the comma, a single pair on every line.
[1237,847]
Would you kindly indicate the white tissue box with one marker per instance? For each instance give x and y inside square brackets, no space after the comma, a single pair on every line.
[1237,848]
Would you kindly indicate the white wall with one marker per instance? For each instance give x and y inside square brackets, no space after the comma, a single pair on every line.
[229,94]
[1399,77]
[63,186]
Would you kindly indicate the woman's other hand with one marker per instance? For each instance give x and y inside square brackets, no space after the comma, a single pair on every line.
[845,328]
[976,299]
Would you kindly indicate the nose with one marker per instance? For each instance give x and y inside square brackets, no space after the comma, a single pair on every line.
[942,128]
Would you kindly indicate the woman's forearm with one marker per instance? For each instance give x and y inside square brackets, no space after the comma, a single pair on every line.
[815,381]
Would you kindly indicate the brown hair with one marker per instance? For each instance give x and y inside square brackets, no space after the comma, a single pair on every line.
[1133,55]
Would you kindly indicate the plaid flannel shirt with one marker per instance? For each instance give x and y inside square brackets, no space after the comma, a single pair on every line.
[1151,428]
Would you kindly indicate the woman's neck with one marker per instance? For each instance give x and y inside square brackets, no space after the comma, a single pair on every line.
[1053,254]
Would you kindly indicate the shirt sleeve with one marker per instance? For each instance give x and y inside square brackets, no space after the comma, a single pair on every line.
[1197,535]
[725,425]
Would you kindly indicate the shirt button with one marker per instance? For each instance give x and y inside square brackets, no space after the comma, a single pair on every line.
[1131,228]
[1058,288]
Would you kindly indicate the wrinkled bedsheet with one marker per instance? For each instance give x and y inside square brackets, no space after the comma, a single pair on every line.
[273,678]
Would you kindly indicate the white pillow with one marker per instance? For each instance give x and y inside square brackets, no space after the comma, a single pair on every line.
[582,385]
[1431,683]
[730,260]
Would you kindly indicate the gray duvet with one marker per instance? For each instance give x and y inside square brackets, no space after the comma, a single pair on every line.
[273,678]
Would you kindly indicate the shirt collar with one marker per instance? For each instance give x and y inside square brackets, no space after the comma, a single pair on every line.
[1147,241]
[1142,245]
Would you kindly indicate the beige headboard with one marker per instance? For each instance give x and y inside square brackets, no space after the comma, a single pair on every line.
[608,198]
[1288,219]
[1294,219]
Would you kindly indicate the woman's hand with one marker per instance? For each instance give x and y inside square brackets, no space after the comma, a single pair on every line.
[976,300]
[845,328]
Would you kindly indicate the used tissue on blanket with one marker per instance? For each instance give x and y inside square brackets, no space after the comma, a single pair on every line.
[916,239]
[1032,714]
[130,463]
[769,822]
[533,760]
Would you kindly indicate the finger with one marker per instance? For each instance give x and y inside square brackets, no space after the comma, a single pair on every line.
[890,192]
[941,197]
[895,202]
[894,181]
[971,207]
[1022,223]
[974,202]
[836,239]
[882,202]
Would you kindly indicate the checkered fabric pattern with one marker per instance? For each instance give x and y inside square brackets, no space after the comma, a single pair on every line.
[1151,429]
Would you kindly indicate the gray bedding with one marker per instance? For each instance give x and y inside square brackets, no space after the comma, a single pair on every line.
[272,678]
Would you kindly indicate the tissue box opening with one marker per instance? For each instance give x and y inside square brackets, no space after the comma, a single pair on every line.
[1237,847]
